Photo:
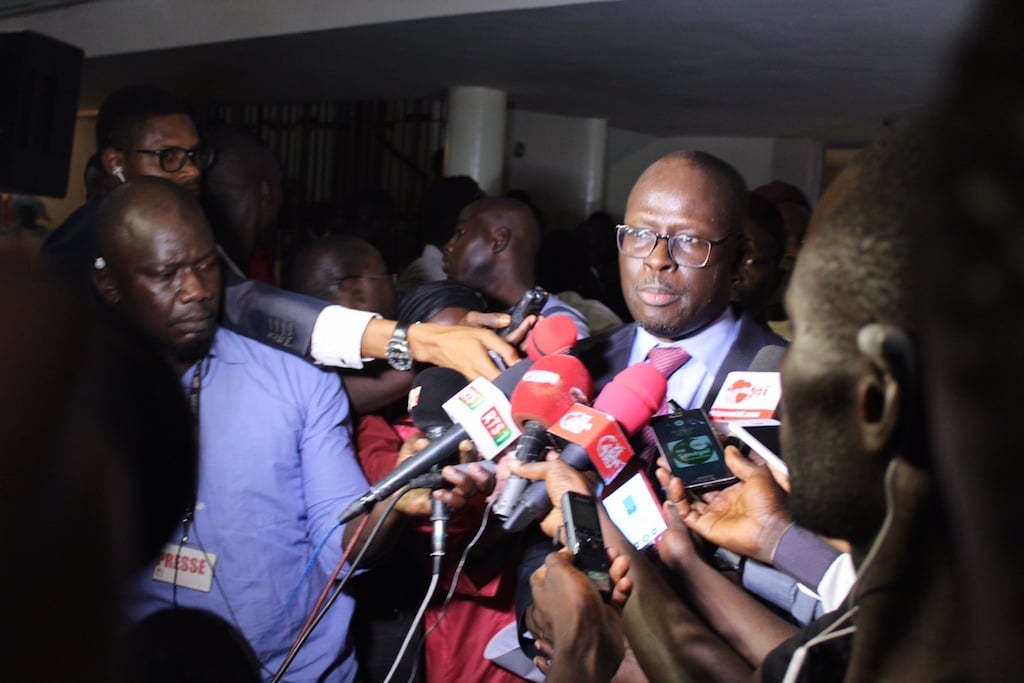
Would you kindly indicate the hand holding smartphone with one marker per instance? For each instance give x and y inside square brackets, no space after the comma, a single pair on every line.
[583,538]
[692,449]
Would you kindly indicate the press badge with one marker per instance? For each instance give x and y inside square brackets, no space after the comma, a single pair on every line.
[186,567]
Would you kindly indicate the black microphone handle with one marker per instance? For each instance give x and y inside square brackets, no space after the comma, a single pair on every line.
[434,454]
[535,502]
[437,452]
[532,443]
[435,480]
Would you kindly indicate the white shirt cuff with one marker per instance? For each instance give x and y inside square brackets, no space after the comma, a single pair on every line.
[338,337]
[835,585]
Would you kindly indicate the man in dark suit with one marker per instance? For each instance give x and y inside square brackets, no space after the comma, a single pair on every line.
[679,248]
[680,245]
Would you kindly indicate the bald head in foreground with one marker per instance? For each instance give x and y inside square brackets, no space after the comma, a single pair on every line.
[158,265]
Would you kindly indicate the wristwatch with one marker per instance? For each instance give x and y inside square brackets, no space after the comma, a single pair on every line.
[397,353]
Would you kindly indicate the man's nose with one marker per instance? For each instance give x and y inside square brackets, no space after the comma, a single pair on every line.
[660,257]
[194,287]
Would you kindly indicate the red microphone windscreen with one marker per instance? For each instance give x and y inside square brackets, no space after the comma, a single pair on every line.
[553,334]
[633,396]
[550,388]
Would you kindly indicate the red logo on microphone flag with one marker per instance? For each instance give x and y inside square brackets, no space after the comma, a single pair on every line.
[600,435]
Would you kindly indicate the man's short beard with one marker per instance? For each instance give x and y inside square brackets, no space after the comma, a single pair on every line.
[662,330]
[192,351]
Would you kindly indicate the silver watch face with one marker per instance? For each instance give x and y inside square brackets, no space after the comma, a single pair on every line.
[398,355]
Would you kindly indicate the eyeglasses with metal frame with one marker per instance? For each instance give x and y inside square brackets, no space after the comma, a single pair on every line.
[685,250]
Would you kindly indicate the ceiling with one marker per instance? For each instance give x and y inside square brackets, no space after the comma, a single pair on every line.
[830,69]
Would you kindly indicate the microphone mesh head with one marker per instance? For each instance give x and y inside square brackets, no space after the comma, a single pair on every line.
[633,396]
[550,388]
[430,389]
[554,334]
[768,359]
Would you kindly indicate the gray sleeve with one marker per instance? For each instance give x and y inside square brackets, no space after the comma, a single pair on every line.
[269,315]
[804,555]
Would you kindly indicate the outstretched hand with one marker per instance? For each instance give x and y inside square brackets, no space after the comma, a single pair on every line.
[460,348]
[748,517]
[499,321]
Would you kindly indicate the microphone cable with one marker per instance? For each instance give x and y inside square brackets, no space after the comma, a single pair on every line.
[317,614]
[451,589]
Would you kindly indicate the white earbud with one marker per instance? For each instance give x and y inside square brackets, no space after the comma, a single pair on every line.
[119,173]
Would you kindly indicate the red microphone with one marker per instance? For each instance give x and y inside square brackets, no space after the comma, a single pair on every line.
[598,436]
[550,388]
[551,335]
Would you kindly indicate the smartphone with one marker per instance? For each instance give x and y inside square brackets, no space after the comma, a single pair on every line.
[636,511]
[583,538]
[763,439]
[531,304]
[691,446]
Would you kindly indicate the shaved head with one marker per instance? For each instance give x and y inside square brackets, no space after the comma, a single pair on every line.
[129,211]
[494,249]
[342,269]
[159,266]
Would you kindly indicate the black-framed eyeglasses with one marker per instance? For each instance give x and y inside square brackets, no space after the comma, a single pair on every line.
[685,250]
[172,159]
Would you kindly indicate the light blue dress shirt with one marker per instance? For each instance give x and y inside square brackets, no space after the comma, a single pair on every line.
[277,467]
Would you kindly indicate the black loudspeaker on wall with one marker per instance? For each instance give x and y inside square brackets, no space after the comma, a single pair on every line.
[40,79]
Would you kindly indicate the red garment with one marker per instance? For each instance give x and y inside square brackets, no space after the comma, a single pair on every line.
[455,648]
[263,265]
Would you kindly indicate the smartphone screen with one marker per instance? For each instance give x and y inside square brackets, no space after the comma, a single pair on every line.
[691,447]
[636,511]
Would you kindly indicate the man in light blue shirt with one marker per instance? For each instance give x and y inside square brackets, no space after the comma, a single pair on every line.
[277,464]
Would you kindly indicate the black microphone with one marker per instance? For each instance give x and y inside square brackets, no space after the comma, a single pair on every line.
[769,359]
[430,389]
[437,452]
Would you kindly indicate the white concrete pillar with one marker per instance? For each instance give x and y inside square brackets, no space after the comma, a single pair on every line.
[595,132]
[475,136]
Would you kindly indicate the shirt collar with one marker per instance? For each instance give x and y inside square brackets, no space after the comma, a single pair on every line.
[705,346]
[225,349]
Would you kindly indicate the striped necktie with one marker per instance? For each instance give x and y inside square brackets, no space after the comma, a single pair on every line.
[666,360]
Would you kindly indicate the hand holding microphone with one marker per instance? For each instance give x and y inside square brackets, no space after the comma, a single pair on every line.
[550,388]
[598,435]
[483,415]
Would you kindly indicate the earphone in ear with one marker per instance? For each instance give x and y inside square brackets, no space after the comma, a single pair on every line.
[119,173]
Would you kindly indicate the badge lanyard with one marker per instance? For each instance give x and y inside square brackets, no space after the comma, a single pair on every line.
[186,521]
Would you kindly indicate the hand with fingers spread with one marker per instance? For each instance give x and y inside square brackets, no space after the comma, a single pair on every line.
[748,517]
